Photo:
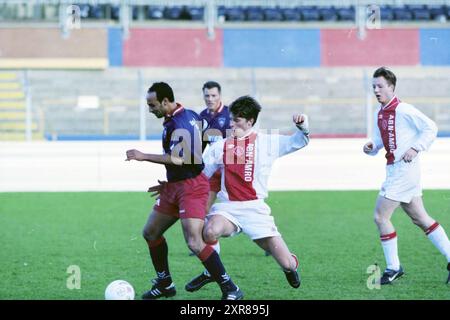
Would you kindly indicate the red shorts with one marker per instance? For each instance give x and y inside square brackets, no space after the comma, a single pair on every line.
[215,181]
[184,199]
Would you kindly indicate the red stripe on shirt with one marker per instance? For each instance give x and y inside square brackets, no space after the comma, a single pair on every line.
[239,160]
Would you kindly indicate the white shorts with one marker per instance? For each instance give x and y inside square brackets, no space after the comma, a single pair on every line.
[402,182]
[250,217]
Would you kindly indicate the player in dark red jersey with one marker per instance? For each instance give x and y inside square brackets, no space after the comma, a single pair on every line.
[184,196]
[216,122]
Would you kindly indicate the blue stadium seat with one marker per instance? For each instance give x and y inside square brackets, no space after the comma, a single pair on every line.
[173,13]
[84,10]
[328,14]
[346,14]
[134,12]
[272,14]
[235,14]
[438,13]
[291,14]
[402,14]
[419,12]
[96,12]
[221,12]
[386,13]
[310,13]
[155,12]
[115,12]
[254,14]
[196,13]
[447,11]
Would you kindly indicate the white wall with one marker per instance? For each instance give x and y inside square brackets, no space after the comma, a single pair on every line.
[326,164]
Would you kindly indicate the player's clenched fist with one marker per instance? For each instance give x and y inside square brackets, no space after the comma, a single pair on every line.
[134,154]
[368,147]
[301,121]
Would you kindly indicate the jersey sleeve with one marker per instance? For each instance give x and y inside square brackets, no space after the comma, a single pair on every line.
[289,144]
[376,137]
[426,128]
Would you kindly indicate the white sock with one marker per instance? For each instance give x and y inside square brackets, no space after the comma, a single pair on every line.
[389,244]
[439,238]
[216,247]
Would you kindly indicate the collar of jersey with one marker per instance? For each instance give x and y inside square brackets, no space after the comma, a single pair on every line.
[392,102]
[178,109]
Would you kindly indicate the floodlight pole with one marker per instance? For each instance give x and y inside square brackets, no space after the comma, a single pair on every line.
[125,19]
[142,108]
[210,16]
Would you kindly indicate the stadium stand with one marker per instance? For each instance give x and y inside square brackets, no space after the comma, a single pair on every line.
[61,117]
[304,74]
[246,10]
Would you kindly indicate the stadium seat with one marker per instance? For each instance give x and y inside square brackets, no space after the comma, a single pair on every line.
[155,12]
[195,13]
[221,13]
[328,14]
[272,14]
[235,14]
[419,12]
[96,12]
[254,14]
[84,11]
[346,14]
[402,14]
[115,12]
[172,13]
[291,14]
[310,13]
[386,13]
[437,13]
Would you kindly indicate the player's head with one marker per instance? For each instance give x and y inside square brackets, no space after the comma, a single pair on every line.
[211,95]
[383,84]
[244,112]
[159,97]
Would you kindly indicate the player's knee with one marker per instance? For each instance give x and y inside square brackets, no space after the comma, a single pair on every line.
[379,219]
[150,233]
[195,245]
[210,234]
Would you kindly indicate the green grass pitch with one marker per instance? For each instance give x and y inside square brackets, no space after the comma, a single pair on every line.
[333,234]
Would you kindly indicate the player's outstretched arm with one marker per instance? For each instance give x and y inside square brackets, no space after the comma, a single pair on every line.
[134,154]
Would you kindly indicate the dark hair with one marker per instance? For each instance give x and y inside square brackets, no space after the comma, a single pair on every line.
[162,90]
[212,84]
[387,74]
[245,107]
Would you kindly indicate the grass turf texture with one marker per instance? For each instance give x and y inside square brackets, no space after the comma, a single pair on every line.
[332,233]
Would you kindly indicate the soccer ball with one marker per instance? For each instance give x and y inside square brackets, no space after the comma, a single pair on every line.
[119,290]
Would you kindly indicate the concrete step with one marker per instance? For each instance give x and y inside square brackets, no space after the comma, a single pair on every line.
[16,126]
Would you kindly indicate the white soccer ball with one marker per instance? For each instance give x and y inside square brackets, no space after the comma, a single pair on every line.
[119,290]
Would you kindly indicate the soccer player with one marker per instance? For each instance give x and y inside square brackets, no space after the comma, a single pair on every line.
[183,197]
[216,122]
[404,132]
[245,160]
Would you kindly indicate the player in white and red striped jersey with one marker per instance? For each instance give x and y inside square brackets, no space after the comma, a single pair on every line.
[404,132]
[246,159]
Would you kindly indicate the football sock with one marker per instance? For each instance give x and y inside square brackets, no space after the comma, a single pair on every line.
[439,238]
[389,244]
[215,245]
[211,260]
[158,252]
